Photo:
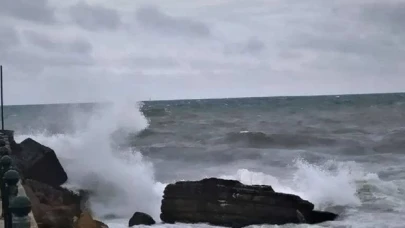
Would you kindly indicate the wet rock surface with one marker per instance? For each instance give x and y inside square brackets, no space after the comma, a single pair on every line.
[233,204]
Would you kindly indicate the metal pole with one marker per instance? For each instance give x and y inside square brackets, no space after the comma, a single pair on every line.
[1,85]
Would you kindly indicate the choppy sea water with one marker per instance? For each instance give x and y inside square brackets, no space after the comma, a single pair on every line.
[343,153]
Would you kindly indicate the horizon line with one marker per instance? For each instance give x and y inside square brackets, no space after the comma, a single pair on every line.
[217,98]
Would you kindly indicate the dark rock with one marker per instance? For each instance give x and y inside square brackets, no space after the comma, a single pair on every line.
[231,203]
[218,189]
[41,176]
[58,217]
[140,218]
[52,205]
[54,196]
[320,216]
[38,162]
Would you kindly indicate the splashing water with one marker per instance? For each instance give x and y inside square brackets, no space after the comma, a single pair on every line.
[121,182]
[330,184]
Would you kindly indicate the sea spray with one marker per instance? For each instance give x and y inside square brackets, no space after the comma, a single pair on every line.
[330,184]
[120,182]
[334,176]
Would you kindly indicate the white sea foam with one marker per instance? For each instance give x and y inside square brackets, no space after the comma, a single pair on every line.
[122,180]
[319,184]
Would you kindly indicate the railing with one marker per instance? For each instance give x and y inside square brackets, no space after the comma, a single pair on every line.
[15,207]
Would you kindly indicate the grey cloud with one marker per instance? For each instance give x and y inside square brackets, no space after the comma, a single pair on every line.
[22,57]
[153,18]
[94,17]
[8,38]
[29,61]
[37,10]
[359,31]
[300,47]
[40,40]
[356,45]
[253,45]
[352,54]
[146,61]
[388,15]
[356,67]
[290,54]
[79,46]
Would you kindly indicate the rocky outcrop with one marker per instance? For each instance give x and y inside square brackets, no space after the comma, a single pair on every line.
[52,206]
[233,204]
[140,218]
[38,162]
[41,176]
[214,201]
[56,207]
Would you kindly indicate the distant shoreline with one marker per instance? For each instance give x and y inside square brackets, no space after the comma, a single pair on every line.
[219,98]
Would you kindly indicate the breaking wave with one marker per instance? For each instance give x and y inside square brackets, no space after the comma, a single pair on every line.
[122,180]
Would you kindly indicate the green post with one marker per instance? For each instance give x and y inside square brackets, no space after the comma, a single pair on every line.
[4,150]
[5,164]
[11,179]
[20,207]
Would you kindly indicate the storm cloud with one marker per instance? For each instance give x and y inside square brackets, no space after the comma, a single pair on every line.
[74,45]
[152,18]
[96,50]
[8,37]
[94,17]
[38,11]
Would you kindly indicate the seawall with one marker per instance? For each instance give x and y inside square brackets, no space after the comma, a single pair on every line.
[8,136]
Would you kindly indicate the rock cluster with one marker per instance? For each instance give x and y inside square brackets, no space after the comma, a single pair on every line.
[212,200]
[42,176]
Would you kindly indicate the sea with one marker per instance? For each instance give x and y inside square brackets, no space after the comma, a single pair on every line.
[344,153]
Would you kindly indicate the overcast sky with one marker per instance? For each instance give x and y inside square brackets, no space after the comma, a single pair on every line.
[77,51]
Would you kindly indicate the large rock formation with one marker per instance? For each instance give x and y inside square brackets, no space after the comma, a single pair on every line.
[231,203]
[38,162]
[52,206]
[56,207]
[41,176]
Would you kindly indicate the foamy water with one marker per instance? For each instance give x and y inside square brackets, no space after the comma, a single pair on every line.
[337,152]
[123,181]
